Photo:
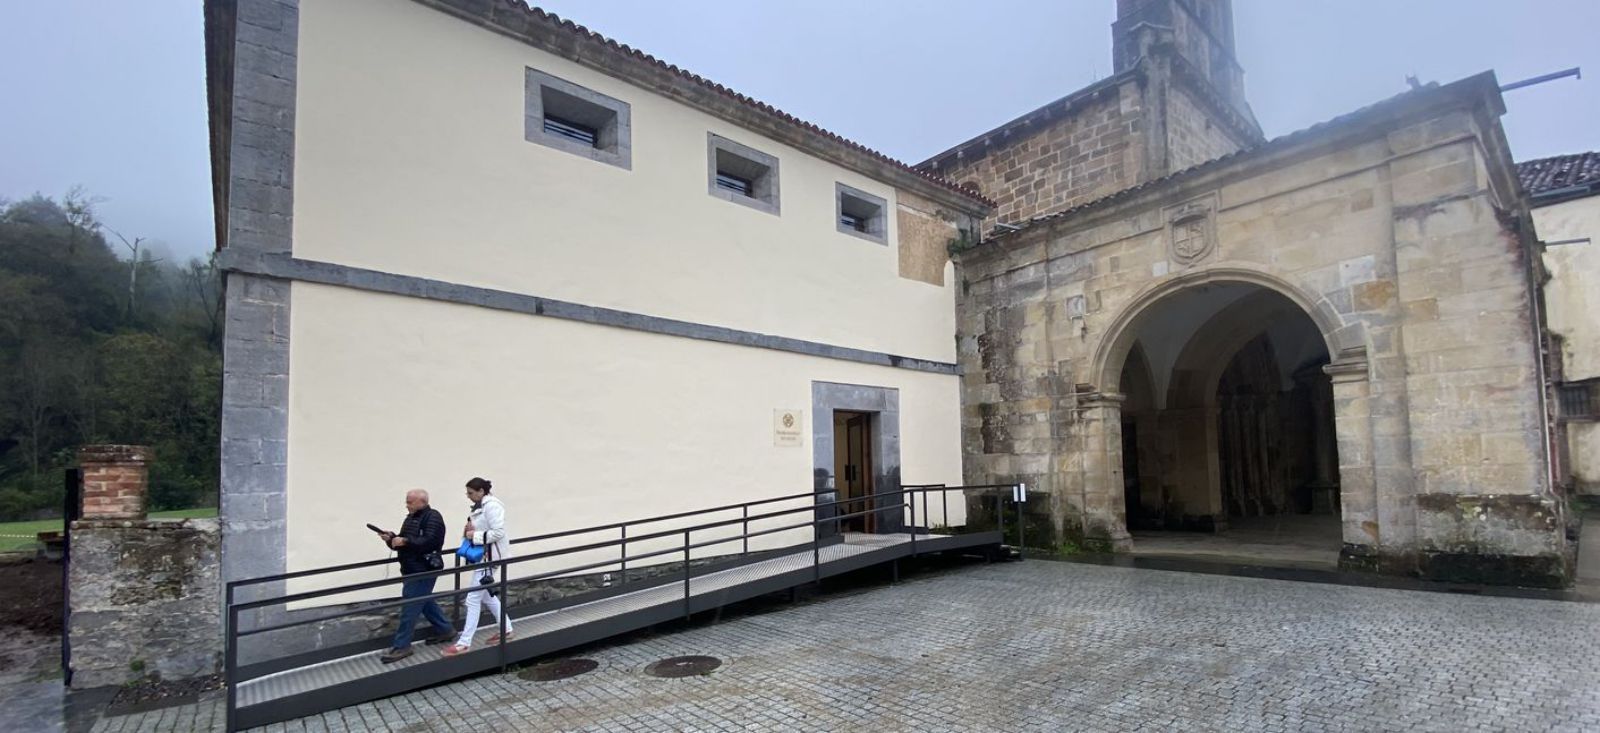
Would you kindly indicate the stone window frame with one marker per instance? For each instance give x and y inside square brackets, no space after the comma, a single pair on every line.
[761,169]
[611,118]
[847,197]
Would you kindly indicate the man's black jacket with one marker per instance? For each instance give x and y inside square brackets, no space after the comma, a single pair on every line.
[424,533]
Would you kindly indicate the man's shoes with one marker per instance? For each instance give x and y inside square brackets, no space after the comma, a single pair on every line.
[395,655]
[455,649]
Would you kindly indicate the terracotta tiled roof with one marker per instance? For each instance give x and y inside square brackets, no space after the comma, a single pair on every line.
[1577,175]
[552,20]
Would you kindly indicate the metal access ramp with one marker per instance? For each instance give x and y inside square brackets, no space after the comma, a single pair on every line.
[284,688]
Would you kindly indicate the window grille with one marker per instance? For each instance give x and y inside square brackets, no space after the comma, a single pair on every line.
[730,182]
[571,130]
[1578,401]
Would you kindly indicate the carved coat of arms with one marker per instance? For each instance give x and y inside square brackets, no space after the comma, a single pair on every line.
[1191,231]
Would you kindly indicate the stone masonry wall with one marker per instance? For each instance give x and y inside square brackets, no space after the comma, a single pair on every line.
[1391,241]
[144,600]
[1192,136]
[1089,153]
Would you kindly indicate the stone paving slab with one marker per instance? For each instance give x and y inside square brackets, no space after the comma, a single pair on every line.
[1042,646]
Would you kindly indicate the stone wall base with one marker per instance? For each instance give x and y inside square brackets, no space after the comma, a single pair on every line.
[1531,571]
[143,600]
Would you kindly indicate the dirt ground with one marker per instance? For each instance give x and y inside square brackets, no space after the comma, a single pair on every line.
[30,596]
[30,621]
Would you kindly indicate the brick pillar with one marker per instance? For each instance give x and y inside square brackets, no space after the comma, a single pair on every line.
[115,481]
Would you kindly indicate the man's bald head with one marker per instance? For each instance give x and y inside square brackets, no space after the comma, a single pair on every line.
[416,500]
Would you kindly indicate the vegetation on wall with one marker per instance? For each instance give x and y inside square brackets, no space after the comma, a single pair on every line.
[102,342]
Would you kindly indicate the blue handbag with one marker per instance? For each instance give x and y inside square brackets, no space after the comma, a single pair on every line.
[470,552]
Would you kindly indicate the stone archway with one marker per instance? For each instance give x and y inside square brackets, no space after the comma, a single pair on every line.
[1222,378]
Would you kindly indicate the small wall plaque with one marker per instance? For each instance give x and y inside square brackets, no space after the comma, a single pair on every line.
[788,427]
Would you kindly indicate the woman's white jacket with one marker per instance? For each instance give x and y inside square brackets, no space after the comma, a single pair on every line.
[489,527]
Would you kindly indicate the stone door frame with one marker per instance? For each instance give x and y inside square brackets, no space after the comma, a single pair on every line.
[1101,410]
[883,403]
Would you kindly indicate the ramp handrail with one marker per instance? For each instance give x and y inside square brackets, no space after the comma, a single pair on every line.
[501,566]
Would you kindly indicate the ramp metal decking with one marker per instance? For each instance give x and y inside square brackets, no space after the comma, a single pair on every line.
[284,688]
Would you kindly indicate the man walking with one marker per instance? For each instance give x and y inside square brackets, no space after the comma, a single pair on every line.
[418,543]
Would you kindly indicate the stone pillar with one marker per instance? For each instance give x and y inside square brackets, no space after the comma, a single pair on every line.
[1324,450]
[1104,520]
[142,593]
[115,481]
[1358,484]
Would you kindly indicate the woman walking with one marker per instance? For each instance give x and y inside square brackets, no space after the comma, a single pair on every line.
[486,525]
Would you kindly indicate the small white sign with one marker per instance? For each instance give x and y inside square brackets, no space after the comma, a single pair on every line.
[788,428]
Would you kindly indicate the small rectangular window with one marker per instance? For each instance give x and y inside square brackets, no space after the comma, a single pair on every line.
[861,214]
[1578,401]
[741,174]
[570,130]
[562,115]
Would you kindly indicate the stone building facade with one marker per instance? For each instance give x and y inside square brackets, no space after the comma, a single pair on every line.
[1177,325]
[1164,320]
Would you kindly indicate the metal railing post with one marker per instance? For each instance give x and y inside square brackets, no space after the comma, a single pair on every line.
[1000,513]
[686,575]
[505,610]
[1022,524]
[912,504]
[624,546]
[231,663]
[816,553]
[746,509]
[455,600]
[944,501]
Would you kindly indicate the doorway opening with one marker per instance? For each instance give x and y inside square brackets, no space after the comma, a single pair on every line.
[1228,446]
[852,459]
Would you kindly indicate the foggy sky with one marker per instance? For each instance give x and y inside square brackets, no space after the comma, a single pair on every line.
[110,94]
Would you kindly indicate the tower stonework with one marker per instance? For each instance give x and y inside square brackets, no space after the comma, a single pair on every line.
[1175,101]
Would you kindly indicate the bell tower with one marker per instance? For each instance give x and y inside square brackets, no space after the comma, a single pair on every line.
[1196,35]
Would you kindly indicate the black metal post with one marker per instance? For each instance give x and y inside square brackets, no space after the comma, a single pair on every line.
[924,512]
[944,500]
[912,504]
[455,600]
[1022,524]
[746,509]
[624,546]
[231,662]
[505,610]
[816,552]
[1000,514]
[686,575]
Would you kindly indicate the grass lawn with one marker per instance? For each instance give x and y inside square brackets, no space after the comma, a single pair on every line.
[20,535]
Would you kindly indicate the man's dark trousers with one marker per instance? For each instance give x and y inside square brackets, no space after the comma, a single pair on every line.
[408,614]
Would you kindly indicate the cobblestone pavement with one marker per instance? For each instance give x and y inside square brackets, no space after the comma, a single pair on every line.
[1043,646]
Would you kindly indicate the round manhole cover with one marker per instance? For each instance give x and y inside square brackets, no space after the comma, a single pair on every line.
[690,666]
[559,669]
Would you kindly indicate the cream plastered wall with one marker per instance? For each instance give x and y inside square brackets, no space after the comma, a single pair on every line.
[410,159]
[577,425]
[1572,295]
[1574,304]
